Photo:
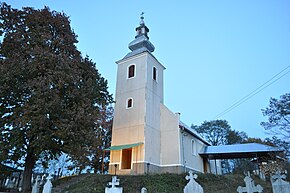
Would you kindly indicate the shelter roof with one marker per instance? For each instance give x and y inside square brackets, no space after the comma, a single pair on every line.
[246,150]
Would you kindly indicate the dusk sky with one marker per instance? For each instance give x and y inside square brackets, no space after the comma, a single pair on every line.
[215,52]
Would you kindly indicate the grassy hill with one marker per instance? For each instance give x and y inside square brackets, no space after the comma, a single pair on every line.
[163,183]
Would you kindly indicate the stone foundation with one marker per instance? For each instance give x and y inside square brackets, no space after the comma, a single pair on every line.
[144,168]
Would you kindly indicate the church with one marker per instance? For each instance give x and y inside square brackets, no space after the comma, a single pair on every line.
[149,138]
[146,136]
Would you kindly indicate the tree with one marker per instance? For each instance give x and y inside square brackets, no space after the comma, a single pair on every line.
[102,140]
[214,132]
[50,96]
[275,141]
[219,132]
[278,114]
[236,137]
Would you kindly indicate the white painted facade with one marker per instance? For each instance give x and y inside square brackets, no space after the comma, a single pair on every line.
[146,135]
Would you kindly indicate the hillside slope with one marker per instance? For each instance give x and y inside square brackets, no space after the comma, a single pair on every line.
[163,183]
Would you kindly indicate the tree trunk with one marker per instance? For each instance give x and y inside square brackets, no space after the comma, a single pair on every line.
[29,164]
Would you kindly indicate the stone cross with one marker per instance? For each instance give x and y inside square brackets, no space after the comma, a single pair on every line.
[279,185]
[48,185]
[192,186]
[115,182]
[143,190]
[250,186]
[279,176]
[35,188]
[191,176]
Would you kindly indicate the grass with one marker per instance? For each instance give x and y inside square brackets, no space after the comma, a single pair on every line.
[159,183]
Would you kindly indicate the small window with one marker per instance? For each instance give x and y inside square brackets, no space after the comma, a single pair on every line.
[193,147]
[131,71]
[154,73]
[129,103]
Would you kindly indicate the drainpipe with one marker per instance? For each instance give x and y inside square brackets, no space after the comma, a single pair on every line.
[182,147]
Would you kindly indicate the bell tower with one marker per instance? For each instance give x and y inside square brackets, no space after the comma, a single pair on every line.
[136,130]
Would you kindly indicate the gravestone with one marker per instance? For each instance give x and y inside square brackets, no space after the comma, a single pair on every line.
[143,190]
[262,176]
[48,185]
[192,186]
[279,185]
[9,183]
[36,185]
[113,189]
[250,186]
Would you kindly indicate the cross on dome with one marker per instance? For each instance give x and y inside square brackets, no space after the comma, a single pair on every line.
[142,19]
[141,39]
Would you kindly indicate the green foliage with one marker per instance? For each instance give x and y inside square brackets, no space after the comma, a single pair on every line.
[50,96]
[278,114]
[285,145]
[236,137]
[159,183]
[214,131]
[219,132]
[101,141]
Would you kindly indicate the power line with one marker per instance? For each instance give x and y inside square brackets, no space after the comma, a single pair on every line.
[254,92]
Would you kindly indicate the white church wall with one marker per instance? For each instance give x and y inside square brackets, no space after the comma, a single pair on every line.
[130,88]
[153,98]
[138,154]
[152,146]
[155,86]
[129,124]
[129,135]
[170,152]
[191,149]
[124,83]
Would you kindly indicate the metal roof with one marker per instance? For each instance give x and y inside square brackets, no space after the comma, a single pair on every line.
[125,146]
[136,52]
[246,150]
[192,132]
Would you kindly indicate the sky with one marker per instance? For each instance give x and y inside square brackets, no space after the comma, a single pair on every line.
[215,52]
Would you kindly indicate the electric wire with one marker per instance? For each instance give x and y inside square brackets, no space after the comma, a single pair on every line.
[254,92]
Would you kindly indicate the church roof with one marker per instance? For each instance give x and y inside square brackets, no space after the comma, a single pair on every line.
[135,52]
[192,132]
[246,150]
[141,42]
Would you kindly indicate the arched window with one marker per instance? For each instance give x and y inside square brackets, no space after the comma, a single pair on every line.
[131,71]
[154,75]
[129,103]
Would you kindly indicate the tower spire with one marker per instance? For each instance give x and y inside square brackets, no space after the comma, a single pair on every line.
[142,19]
[142,29]
[141,38]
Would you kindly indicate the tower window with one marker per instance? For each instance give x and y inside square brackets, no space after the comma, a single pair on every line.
[129,103]
[131,71]
[154,73]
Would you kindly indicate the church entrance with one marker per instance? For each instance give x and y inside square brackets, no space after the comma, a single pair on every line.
[126,158]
